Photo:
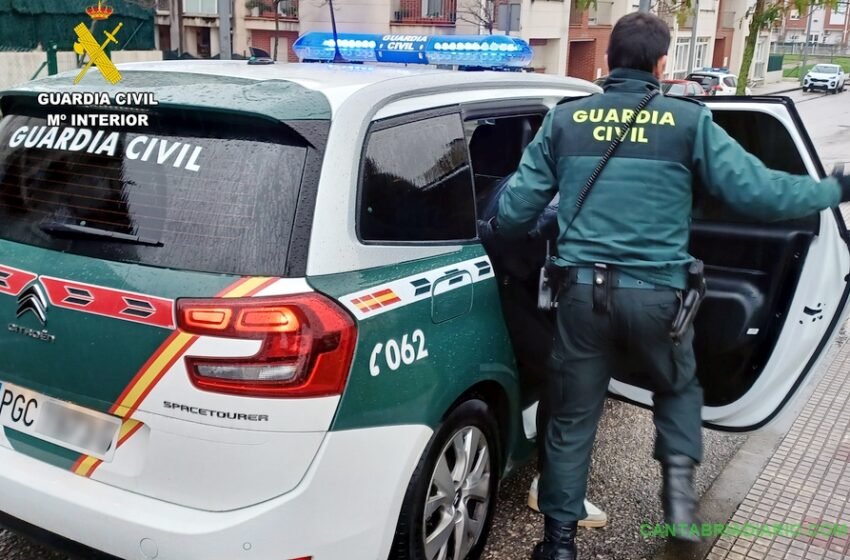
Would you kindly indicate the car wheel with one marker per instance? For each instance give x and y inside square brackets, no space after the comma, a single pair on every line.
[805,90]
[449,504]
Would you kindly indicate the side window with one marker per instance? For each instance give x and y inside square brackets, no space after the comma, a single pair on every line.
[495,148]
[763,136]
[416,184]
[730,81]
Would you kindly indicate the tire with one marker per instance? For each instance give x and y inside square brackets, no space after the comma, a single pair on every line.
[805,90]
[470,422]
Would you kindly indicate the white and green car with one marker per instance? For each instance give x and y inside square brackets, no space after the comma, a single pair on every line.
[263,327]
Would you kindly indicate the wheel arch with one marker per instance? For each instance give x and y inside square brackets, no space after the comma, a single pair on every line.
[495,395]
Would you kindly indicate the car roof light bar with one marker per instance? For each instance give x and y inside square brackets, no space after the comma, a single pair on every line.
[479,51]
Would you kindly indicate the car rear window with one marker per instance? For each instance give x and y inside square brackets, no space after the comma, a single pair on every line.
[673,88]
[200,191]
[704,80]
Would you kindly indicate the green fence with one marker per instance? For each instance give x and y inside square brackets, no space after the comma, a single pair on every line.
[774,62]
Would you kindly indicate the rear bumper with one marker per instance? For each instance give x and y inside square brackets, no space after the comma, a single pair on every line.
[345,508]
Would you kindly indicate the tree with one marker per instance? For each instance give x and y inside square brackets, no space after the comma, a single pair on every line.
[263,6]
[481,13]
[763,15]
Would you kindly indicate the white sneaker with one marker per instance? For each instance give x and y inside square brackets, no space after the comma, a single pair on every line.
[595,516]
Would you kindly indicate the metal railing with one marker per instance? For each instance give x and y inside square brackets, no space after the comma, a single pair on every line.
[287,9]
[816,49]
[163,5]
[424,12]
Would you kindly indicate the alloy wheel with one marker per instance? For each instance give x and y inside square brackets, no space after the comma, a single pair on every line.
[458,496]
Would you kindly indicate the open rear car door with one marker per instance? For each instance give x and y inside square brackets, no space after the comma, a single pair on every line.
[777,292]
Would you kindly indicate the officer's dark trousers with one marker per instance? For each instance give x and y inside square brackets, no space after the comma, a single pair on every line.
[589,348]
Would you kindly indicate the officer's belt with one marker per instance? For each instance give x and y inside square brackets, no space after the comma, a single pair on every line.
[619,279]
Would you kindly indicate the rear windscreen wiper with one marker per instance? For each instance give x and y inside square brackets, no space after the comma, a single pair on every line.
[60,229]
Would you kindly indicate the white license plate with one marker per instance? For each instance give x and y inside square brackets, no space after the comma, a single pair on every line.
[59,422]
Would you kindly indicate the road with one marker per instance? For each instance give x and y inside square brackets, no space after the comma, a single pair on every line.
[624,480]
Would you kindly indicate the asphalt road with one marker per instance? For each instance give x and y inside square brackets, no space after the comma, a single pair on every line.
[624,480]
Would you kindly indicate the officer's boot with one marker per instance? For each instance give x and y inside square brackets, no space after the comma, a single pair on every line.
[679,497]
[559,541]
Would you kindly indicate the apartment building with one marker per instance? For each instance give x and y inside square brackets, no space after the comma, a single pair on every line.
[543,23]
[828,26]
[721,32]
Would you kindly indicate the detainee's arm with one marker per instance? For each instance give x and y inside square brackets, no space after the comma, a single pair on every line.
[532,187]
[741,180]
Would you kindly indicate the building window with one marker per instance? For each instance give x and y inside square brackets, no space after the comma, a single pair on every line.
[702,51]
[759,60]
[507,17]
[794,15]
[200,6]
[683,51]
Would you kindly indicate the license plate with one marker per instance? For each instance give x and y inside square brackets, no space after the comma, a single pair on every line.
[59,422]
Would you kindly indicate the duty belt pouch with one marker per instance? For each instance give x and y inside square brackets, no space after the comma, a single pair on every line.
[601,288]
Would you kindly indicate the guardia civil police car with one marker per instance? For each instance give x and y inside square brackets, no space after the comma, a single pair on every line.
[263,327]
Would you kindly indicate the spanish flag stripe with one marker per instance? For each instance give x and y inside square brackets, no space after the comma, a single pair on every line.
[383,293]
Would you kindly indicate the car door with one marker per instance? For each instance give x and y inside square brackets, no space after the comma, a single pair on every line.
[777,292]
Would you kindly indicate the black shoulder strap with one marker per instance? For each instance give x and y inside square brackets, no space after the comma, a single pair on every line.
[588,186]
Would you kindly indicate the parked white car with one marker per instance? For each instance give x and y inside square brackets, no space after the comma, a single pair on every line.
[716,81]
[828,77]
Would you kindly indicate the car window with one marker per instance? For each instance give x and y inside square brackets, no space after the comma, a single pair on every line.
[704,80]
[675,89]
[730,81]
[416,183]
[209,192]
[496,146]
[763,136]
[825,69]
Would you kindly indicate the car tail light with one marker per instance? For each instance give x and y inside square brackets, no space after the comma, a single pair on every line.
[307,343]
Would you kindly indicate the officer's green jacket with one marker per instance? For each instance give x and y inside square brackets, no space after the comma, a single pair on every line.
[638,214]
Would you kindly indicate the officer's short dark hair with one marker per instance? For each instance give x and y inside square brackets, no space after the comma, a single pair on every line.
[638,41]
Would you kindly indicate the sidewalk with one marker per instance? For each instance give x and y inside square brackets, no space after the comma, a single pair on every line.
[806,481]
[778,88]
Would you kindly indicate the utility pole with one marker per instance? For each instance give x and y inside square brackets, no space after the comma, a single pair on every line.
[692,54]
[806,43]
[224,22]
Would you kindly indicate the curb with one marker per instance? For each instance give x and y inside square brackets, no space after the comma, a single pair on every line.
[777,92]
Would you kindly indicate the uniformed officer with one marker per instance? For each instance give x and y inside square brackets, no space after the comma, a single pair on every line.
[635,223]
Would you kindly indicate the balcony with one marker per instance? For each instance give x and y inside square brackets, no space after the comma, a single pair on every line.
[286,9]
[601,13]
[424,12]
[163,5]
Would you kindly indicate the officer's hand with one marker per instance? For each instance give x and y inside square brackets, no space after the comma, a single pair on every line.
[844,183]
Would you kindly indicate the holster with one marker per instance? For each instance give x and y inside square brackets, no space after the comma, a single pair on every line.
[601,288]
[552,279]
[690,303]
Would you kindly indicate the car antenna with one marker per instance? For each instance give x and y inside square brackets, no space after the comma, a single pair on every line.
[337,54]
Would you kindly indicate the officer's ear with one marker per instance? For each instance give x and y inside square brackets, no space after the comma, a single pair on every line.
[660,66]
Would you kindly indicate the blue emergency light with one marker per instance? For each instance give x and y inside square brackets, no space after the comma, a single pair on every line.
[480,51]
